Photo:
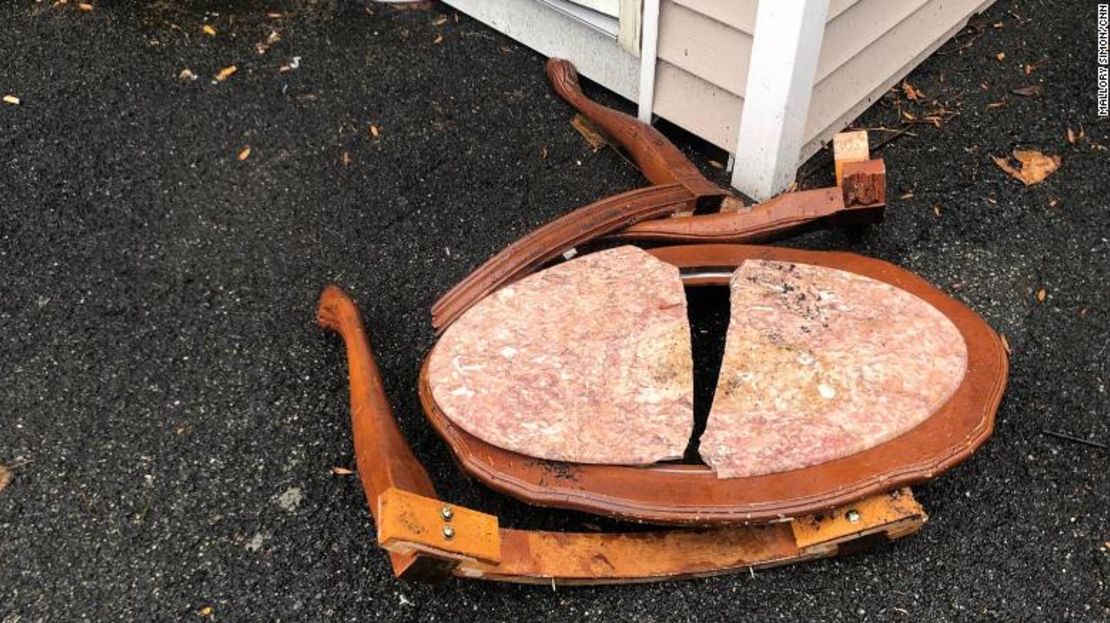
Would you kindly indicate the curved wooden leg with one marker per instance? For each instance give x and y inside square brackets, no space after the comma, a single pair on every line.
[660,161]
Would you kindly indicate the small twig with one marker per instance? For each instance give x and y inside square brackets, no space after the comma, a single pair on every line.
[891,130]
[905,131]
[1068,437]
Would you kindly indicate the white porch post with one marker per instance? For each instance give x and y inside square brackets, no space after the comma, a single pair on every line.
[649,51]
[785,48]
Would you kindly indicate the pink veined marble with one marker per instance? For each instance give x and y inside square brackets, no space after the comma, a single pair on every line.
[587,361]
[820,364]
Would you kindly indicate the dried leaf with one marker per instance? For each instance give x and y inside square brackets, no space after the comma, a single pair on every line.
[186,74]
[375,131]
[85,6]
[1052,203]
[438,40]
[342,471]
[908,116]
[716,165]
[5,476]
[209,30]
[439,21]
[345,159]
[205,611]
[1041,294]
[589,131]
[1074,137]
[1035,166]
[543,153]
[912,92]
[290,65]
[906,195]
[11,99]
[936,210]
[226,72]
[1029,91]
[995,105]
[244,153]
[1001,56]
[1031,67]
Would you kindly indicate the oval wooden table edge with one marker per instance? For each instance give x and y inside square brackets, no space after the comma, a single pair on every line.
[693,495]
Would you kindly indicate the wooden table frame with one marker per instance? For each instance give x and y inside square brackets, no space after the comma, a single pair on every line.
[429,538]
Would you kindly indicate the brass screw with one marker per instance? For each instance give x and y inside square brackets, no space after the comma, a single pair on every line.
[448,532]
[447,513]
[852,516]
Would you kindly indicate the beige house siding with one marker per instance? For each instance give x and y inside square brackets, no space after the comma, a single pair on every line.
[697,105]
[705,47]
[869,45]
[740,14]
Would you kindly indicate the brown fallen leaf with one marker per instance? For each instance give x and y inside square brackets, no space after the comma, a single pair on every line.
[715,164]
[1074,137]
[906,195]
[85,6]
[1031,67]
[375,131]
[912,93]
[1029,91]
[209,30]
[594,137]
[543,152]
[244,153]
[11,99]
[342,471]
[1041,295]
[1001,56]
[205,611]
[262,46]
[438,40]
[5,476]
[995,105]
[1035,166]
[226,72]
[936,210]
[439,21]
[345,159]
[186,74]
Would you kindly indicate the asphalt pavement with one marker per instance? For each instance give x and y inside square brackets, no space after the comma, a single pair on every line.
[171,414]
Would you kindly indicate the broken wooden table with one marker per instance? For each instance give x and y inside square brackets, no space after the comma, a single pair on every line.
[716,525]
